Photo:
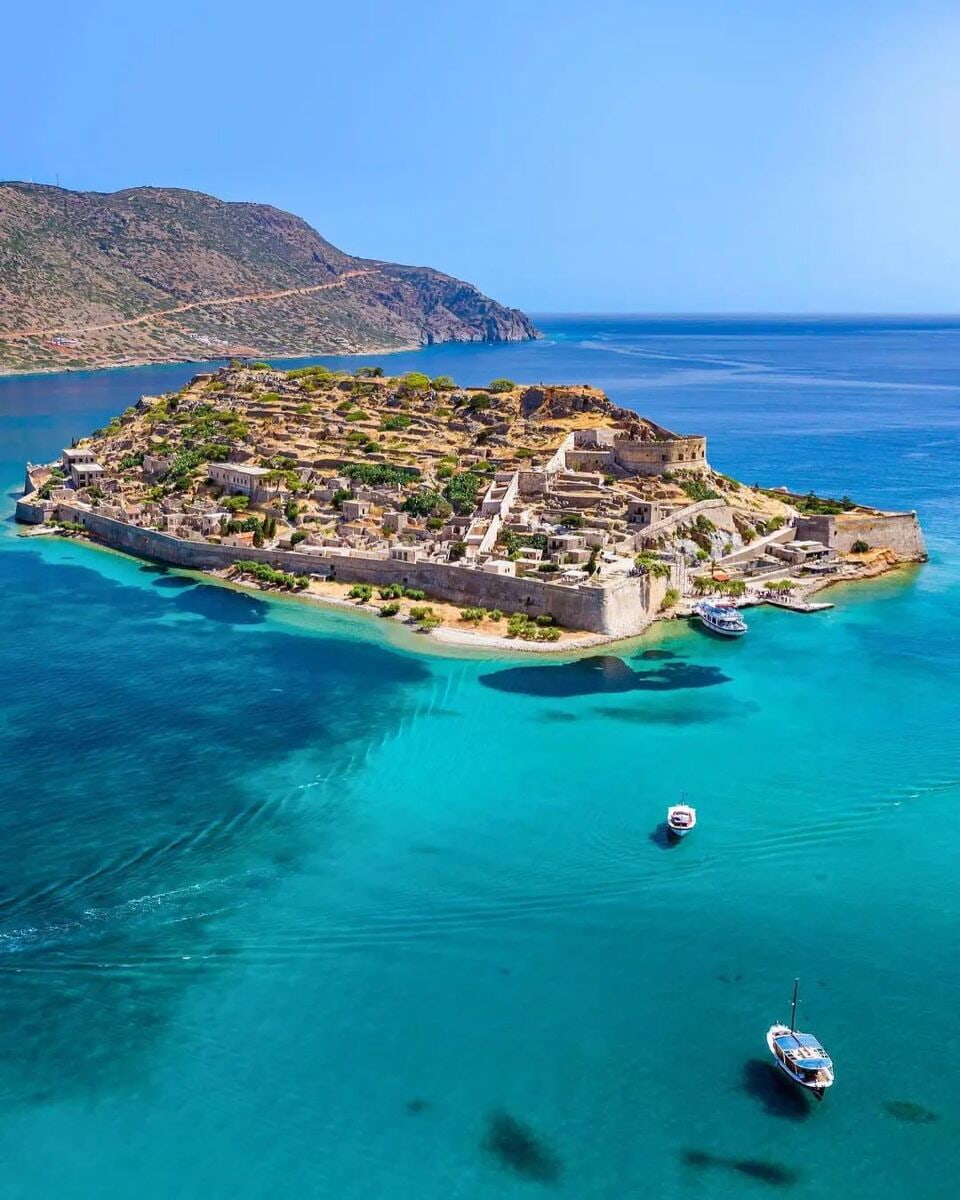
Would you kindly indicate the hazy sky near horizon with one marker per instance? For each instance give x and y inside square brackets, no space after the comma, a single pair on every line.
[685,156]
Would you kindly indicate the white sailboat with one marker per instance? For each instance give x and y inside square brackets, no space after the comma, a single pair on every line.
[800,1055]
[681,818]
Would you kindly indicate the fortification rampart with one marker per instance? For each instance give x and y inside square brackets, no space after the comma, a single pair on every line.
[653,458]
[899,532]
[620,609]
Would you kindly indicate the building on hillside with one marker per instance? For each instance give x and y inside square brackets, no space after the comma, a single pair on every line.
[76,454]
[239,477]
[85,474]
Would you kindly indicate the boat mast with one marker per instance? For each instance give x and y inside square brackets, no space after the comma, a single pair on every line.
[793,1007]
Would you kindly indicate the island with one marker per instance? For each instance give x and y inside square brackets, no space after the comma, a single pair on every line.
[541,514]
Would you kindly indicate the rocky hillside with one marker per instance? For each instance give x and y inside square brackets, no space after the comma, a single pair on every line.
[159,274]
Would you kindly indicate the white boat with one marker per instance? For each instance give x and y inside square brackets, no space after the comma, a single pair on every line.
[723,619]
[681,818]
[800,1056]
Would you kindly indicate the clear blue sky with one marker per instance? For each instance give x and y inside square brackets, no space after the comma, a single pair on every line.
[684,155]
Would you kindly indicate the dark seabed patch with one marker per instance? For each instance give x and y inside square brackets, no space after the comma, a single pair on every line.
[174,582]
[907,1111]
[776,1174]
[681,713]
[137,826]
[599,674]
[654,655]
[416,1106]
[222,604]
[780,1098]
[558,715]
[515,1146]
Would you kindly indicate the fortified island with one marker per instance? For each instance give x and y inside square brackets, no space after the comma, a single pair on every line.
[541,513]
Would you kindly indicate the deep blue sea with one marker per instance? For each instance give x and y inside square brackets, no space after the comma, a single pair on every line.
[290,909]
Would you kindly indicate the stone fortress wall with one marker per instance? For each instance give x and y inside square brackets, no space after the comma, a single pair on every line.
[602,449]
[899,532]
[618,609]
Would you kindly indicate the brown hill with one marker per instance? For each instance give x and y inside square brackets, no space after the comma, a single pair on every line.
[159,274]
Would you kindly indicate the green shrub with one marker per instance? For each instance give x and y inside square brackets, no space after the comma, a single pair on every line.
[697,489]
[269,397]
[317,371]
[819,506]
[495,614]
[860,546]
[652,565]
[361,592]
[355,414]
[396,422]
[389,610]
[373,474]
[520,625]
[473,616]
[273,578]
[670,597]
[298,537]
[391,591]
[426,503]
[416,380]
[545,619]
[442,383]
[457,550]
[236,503]
[461,490]
[260,366]
[414,593]
[502,385]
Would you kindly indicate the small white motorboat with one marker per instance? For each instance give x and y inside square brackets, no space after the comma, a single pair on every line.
[800,1056]
[681,818]
[723,619]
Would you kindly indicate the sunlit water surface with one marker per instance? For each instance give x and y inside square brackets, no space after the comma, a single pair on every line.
[287,908]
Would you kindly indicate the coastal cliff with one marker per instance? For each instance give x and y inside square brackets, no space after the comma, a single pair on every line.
[91,279]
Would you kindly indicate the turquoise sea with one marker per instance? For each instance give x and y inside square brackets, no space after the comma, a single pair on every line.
[289,909]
